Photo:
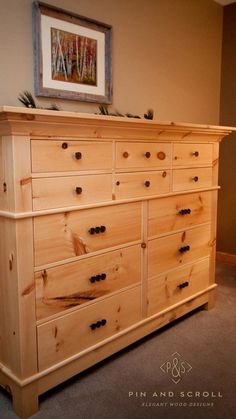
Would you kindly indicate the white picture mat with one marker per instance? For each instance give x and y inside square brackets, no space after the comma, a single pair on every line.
[47,23]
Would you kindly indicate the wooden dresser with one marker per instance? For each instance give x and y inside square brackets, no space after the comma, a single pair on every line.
[108,231]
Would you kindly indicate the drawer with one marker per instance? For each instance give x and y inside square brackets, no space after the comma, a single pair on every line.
[171,288]
[190,154]
[71,190]
[69,234]
[80,282]
[76,331]
[62,155]
[142,155]
[133,185]
[169,252]
[187,179]
[178,212]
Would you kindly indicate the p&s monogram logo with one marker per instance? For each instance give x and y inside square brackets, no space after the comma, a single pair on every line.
[176,367]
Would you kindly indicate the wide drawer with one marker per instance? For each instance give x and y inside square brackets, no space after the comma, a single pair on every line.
[187,179]
[169,252]
[192,154]
[174,286]
[178,212]
[133,185]
[83,328]
[59,155]
[74,233]
[142,155]
[80,282]
[71,190]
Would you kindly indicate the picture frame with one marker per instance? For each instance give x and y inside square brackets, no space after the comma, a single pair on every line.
[72,55]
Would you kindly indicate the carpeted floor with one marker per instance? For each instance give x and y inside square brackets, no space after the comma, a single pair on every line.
[206,343]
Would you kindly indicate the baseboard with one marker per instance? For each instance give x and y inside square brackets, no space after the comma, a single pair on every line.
[226,257]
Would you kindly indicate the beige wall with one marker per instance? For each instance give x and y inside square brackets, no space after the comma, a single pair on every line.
[166,55]
[226,241]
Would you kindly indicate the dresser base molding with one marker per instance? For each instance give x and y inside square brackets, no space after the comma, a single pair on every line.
[25,392]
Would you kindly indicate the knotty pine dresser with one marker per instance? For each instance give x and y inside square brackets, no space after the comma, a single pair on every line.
[108,231]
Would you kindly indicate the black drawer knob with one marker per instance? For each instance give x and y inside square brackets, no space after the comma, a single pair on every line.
[97,278]
[147,183]
[98,324]
[183,285]
[64,146]
[195,178]
[184,249]
[78,190]
[147,154]
[78,155]
[185,211]
[195,153]
[125,154]
[97,230]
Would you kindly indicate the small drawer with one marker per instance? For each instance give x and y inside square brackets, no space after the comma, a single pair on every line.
[142,155]
[80,282]
[174,250]
[187,179]
[133,185]
[178,212]
[69,234]
[71,190]
[83,328]
[174,286]
[192,154]
[65,155]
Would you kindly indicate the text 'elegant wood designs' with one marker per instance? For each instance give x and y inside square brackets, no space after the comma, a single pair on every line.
[108,231]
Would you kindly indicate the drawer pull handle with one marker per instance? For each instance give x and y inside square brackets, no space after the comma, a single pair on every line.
[147,183]
[195,153]
[78,190]
[184,249]
[97,278]
[97,230]
[147,154]
[78,155]
[125,154]
[195,178]
[98,324]
[64,146]
[183,285]
[184,211]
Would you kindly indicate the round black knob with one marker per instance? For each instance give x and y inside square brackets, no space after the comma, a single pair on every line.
[93,326]
[97,230]
[64,145]
[99,323]
[184,249]
[147,154]
[103,277]
[147,183]
[78,190]
[196,153]
[183,285]
[103,322]
[195,178]
[78,155]
[93,279]
[92,230]
[103,229]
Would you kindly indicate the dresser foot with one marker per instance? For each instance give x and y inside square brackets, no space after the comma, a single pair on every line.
[211,302]
[25,400]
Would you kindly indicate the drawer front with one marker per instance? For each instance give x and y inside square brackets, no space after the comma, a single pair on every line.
[176,285]
[76,331]
[71,190]
[80,282]
[191,154]
[178,212]
[187,179]
[133,185]
[59,156]
[66,235]
[142,155]
[169,252]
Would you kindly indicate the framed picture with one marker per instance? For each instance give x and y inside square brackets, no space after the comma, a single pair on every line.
[72,55]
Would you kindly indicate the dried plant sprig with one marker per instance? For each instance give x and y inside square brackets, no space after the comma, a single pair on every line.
[149,114]
[104,111]
[26,98]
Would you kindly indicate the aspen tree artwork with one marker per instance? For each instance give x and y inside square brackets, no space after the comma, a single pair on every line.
[72,55]
[74,58]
